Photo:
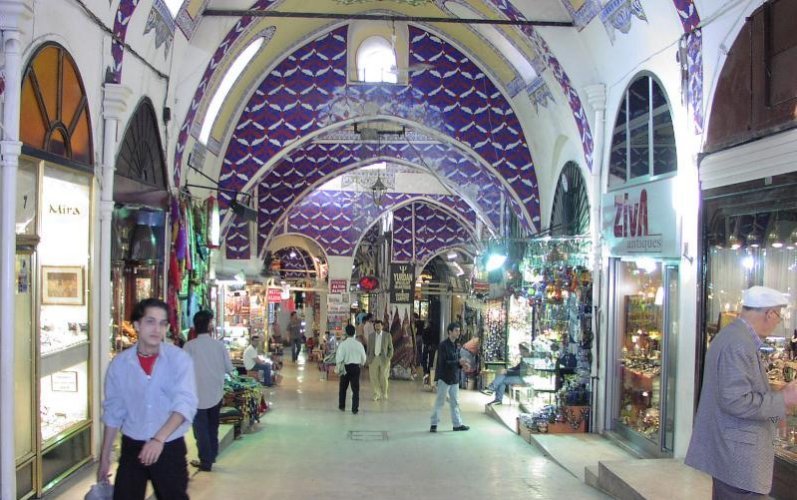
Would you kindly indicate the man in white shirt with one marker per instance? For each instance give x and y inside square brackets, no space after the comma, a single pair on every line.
[254,361]
[211,363]
[150,395]
[380,354]
[350,356]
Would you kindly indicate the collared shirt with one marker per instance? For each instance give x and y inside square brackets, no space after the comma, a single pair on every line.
[756,339]
[332,344]
[350,352]
[138,404]
[378,343]
[211,362]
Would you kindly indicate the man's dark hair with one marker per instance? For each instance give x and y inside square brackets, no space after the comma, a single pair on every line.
[202,321]
[349,331]
[452,325]
[378,322]
[368,317]
[140,309]
[293,313]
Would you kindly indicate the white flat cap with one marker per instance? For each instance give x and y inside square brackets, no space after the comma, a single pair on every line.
[761,296]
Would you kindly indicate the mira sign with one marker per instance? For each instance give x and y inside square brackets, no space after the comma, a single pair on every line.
[642,220]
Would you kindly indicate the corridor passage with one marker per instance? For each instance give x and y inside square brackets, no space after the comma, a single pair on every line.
[303,449]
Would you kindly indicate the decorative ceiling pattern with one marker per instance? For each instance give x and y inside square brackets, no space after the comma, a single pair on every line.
[436,232]
[121,21]
[295,263]
[308,91]
[336,220]
[284,184]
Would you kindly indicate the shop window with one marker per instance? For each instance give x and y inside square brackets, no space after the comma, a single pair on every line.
[376,61]
[55,114]
[140,155]
[643,140]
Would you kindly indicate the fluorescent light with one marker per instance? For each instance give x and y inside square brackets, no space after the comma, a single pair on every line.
[452,255]
[495,261]
[235,70]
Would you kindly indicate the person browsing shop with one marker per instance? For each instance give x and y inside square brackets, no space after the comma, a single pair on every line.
[349,357]
[447,377]
[380,353]
[211,363]
[295,333]
[150,395]
[511,376]
[738,411]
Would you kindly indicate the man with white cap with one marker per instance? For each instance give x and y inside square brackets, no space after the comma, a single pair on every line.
[738,412]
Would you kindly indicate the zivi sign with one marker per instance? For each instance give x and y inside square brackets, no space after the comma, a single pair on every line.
[642,221]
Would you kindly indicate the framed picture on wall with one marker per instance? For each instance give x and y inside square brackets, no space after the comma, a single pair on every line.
[63,285]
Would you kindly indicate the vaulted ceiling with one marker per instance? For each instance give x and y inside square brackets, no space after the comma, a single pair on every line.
[289,123]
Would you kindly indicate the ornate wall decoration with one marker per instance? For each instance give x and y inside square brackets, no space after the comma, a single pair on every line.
[692,52]
[580,116]
[185,22]
[160,20]
[540,94]
[421,230]
[121,20]
[618,15]
[582,11]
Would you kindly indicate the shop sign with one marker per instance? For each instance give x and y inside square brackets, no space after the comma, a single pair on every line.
[274,295]
[338,286]
[402,283]
[642,220]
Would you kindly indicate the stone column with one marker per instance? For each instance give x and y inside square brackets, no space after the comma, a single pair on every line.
[12,15]
[114,106]
[596,97]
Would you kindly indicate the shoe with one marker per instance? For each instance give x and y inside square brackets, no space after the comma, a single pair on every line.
[355,411]
[341,409]
[384,397]
[495,403]
[376,398]
[198,465]
[461,428]
[488,392]
[433,428]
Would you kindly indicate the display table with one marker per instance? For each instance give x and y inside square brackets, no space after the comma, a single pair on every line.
[244,394]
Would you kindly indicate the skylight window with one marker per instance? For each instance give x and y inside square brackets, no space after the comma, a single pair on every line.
[236,68]
[376,61]
[173,6]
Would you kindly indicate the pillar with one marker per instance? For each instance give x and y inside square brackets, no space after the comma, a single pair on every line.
[12,14]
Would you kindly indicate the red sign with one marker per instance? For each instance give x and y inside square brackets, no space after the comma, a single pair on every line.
[368,283]
[274,295]
[338,286]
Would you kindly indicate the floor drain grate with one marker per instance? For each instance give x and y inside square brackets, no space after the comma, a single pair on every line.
[368,435]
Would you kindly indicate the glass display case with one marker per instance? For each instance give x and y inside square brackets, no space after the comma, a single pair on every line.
[645,332]
[494,344]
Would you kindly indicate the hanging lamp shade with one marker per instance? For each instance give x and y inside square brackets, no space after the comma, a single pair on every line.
[378,190]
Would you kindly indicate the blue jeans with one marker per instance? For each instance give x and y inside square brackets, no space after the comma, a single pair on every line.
[296,348]
[500,383]
[265,369]
[453,392]
[206,432]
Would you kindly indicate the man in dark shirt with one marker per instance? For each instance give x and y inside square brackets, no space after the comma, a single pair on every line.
[447,377]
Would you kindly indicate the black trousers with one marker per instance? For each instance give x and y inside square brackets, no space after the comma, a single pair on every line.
[169,475]
[352,377]
[206,432]
[427,358]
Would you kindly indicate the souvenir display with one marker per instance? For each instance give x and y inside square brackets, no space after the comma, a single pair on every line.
[494,344]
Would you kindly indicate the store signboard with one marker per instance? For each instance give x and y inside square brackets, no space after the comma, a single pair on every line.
[642,221]
[402,283]
[274,295]
[338,286]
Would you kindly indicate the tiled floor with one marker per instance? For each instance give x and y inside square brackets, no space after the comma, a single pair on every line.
[307,448]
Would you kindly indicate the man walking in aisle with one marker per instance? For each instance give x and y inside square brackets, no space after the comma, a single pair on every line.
[295,333]
[447,377]
[349,357]
[150,394]
[211,363]
[738,411]
[380,352]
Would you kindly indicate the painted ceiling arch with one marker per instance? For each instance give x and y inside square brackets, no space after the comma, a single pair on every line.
[422,230]
[336,220]
[303,169]
[296,263]
[308,91]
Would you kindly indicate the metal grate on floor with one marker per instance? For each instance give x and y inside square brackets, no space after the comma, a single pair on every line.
[368,435]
